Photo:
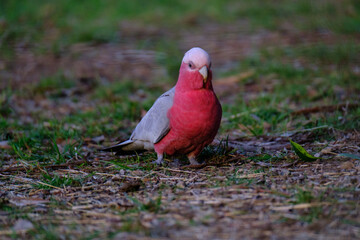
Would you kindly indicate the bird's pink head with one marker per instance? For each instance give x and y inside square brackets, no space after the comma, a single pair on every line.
[195,72]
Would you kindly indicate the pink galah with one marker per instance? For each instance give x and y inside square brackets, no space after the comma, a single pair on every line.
[183,120]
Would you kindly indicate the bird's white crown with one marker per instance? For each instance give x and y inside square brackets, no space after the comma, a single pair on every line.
[198,56]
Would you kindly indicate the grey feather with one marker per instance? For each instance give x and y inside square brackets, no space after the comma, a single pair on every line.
[152,127]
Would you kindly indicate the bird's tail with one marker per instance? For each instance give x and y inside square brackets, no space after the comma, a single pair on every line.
[125,148]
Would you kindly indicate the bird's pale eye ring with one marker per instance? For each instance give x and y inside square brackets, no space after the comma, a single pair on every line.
[191,65]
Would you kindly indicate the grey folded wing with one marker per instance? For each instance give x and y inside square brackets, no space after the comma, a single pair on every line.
[155,124]
[152,127]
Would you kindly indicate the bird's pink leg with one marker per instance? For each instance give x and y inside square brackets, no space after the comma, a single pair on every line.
[192,160]
[160,159]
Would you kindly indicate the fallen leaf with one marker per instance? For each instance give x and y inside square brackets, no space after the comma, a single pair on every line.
[302,153]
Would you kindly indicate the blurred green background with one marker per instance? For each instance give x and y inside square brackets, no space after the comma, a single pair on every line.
[65,22]
[113,58]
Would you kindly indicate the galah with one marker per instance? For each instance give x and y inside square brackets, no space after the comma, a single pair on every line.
[184,119]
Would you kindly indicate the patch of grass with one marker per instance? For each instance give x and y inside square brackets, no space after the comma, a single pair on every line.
[231,180]
[106,119]
[136,162]
[128,92]
[261,157]
[5,106]
[44,231]
[351,222]
[5,206]
[267,158]
[153,205]
[57,181]
[222,149]
[303,63]
[4,125]
[341,55]
[170,56]
[117,91]
[256,120]
[311,214]
[306,15]
[234,179]
[298,77]
[95,235]
[70,22]
[338,120]
[133,225]
[40,147]
[303,196]
[343,189]
[53,83]
[13,213]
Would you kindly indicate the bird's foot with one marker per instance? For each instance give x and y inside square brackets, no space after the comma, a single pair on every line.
[160,160]
[159,163]
[193,161]
[175,163]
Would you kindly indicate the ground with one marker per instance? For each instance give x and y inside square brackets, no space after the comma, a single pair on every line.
[75,79]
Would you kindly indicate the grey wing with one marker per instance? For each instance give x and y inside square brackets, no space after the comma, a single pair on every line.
[155,124]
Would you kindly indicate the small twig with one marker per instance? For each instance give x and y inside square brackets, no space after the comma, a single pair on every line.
[297,206]
[181,171]
[125,176]
[42,183]
[105,174]
[265,164]
[173,179]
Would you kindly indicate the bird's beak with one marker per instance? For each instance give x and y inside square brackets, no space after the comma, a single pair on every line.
[204,73]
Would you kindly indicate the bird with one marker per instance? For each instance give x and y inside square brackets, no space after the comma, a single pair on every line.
[183,120]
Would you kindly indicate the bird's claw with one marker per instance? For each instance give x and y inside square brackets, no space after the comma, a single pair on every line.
[157,162]
[193,161]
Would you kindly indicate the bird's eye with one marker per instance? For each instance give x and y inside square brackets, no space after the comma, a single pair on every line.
[191,65]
